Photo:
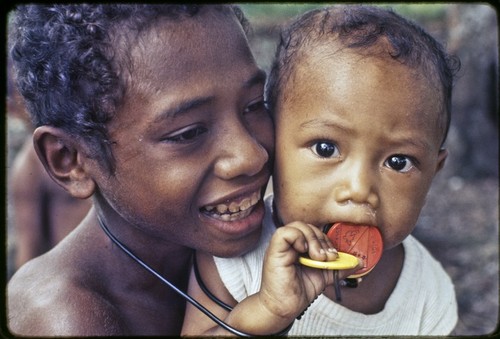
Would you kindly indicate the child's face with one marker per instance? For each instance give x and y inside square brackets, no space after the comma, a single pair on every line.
[357,141]
[193,134]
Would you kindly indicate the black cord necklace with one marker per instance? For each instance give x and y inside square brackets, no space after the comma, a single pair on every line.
[177,290]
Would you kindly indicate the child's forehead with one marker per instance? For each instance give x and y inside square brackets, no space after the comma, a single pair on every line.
[374,81]
[158,54]
[380,54]
[331,46]
[377,56]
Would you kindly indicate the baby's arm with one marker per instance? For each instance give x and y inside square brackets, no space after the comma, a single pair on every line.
[287,288]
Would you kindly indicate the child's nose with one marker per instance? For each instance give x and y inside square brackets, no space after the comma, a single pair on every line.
[241,154]
[358,184]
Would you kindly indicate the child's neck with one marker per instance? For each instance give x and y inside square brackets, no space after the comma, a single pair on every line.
[372,293]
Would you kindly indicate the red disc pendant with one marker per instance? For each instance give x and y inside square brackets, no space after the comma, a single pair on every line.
[364,242]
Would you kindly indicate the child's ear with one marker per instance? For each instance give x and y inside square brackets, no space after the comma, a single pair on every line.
[442,155]
[63,158]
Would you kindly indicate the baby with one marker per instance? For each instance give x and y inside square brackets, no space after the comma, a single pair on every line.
[361,103]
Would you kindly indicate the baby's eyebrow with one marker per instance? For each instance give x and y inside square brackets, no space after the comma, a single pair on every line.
[319,123]
[418,143]
[316,123]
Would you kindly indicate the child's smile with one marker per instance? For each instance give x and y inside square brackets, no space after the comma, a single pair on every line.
[231,211]
[194,140]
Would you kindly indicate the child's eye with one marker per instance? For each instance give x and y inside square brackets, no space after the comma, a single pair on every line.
[325,149]
[400,163]
[256,106]
[186,135]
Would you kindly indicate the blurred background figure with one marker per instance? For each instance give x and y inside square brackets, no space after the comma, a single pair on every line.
[41,213]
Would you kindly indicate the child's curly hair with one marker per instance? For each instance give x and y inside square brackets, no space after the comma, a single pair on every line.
[68,64]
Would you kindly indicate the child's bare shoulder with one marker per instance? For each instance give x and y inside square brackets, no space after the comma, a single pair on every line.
[78,308]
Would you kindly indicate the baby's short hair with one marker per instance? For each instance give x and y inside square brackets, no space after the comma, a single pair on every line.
[69,69]
[359,27]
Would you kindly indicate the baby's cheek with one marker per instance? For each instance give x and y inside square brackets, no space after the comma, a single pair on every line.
[394,234]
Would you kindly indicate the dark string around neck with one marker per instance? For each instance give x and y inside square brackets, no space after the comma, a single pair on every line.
[177,290]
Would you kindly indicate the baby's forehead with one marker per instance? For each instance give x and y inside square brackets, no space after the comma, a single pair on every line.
[380,50]
[373,77]
[380,54]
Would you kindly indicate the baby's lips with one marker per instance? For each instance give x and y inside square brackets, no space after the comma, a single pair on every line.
[364,242]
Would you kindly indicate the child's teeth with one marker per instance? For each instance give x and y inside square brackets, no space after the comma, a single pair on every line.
[221,208]
[234,207]
[245,204]
[255,198]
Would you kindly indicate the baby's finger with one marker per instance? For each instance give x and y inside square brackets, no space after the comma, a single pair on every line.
[319,247]
[286,238]
[325,250]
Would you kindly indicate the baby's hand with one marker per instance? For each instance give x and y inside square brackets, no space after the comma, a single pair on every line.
[316,245]
[288,287]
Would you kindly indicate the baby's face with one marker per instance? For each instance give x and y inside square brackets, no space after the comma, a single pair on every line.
[357,140]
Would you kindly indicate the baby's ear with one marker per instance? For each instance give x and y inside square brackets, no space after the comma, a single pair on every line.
[442,155]
[63,158]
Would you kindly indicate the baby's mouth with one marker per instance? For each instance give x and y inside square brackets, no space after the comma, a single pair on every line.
[234,210]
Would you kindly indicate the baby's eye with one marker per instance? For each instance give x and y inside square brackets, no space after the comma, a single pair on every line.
[325,149]
[187,134]
[400,163]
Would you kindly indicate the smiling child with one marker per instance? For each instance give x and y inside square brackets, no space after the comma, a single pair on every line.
[157,113]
